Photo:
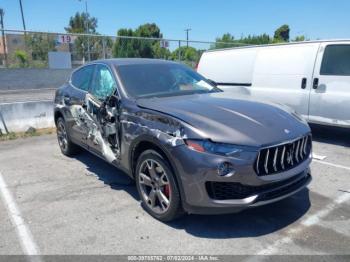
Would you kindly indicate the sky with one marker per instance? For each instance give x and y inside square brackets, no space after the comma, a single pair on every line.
[208,19]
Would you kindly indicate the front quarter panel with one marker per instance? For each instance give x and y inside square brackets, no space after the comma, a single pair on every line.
[138,124]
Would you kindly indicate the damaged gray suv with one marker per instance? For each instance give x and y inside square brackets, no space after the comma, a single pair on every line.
[189,146]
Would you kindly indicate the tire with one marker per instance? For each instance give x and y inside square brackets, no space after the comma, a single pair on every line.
[153,190]
[67,147]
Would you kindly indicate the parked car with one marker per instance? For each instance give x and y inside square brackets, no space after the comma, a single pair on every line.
[188,146]
[311,77]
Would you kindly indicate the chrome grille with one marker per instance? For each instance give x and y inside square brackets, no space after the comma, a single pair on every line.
[279,158]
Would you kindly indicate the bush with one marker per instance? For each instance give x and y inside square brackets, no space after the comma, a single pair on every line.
[21,57]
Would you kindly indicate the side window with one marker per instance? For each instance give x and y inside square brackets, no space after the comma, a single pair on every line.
[103,84]
[81,78]
[336,60]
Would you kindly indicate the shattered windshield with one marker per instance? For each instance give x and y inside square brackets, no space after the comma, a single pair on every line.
[156,80]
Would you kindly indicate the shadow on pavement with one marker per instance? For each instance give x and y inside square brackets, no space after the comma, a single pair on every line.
[108,174]
[331,135]
[249,223]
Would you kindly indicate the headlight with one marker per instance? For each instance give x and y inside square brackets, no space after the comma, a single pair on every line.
[214,148]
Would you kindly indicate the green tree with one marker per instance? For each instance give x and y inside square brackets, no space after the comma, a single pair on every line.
[22,57]
[263,39]
[299,38]
[161,52]
[282,34]
[83,23]
[98,45]
[146,48]
[148,30]
[227,40]
[124,47]
[39,45]
[188,55]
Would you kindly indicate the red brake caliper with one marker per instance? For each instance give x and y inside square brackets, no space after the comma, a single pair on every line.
[167,190]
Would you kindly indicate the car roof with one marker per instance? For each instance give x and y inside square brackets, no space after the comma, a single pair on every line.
[131,61]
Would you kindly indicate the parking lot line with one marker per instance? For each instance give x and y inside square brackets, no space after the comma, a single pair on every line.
[315,218]
[309,221]
[331,164]
[26,239]
[318,157]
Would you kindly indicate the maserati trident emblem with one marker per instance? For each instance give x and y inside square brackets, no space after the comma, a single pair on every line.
[290,154]
[286,131]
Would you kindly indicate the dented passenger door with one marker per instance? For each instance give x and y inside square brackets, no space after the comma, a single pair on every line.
[103,110]
[74,101]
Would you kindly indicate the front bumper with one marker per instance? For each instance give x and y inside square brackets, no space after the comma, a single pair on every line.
[204,192]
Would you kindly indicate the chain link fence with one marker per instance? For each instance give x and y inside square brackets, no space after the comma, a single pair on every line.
[30,49]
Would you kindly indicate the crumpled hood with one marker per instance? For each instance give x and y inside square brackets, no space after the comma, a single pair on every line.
[222,118]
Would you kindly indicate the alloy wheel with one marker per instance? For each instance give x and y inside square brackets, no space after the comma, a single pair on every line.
[155,186]
[62,136]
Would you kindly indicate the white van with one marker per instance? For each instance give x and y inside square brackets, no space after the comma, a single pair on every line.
[311,77]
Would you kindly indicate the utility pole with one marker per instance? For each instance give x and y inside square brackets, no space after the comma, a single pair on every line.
[24,27]
[187,30]
[87,29]
[2,13]
[24,24]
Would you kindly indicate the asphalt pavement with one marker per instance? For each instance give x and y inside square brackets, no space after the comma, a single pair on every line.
[82,205]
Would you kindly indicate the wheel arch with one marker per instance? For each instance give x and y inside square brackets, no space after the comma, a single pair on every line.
[146,142]
[57,115]
[143,143]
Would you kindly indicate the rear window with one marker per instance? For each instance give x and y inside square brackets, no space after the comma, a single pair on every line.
[336,60]
[81,78]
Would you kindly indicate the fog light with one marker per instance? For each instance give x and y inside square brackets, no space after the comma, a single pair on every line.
[225,169]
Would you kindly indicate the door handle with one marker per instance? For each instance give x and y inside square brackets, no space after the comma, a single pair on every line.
[315,83]
[303,83]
